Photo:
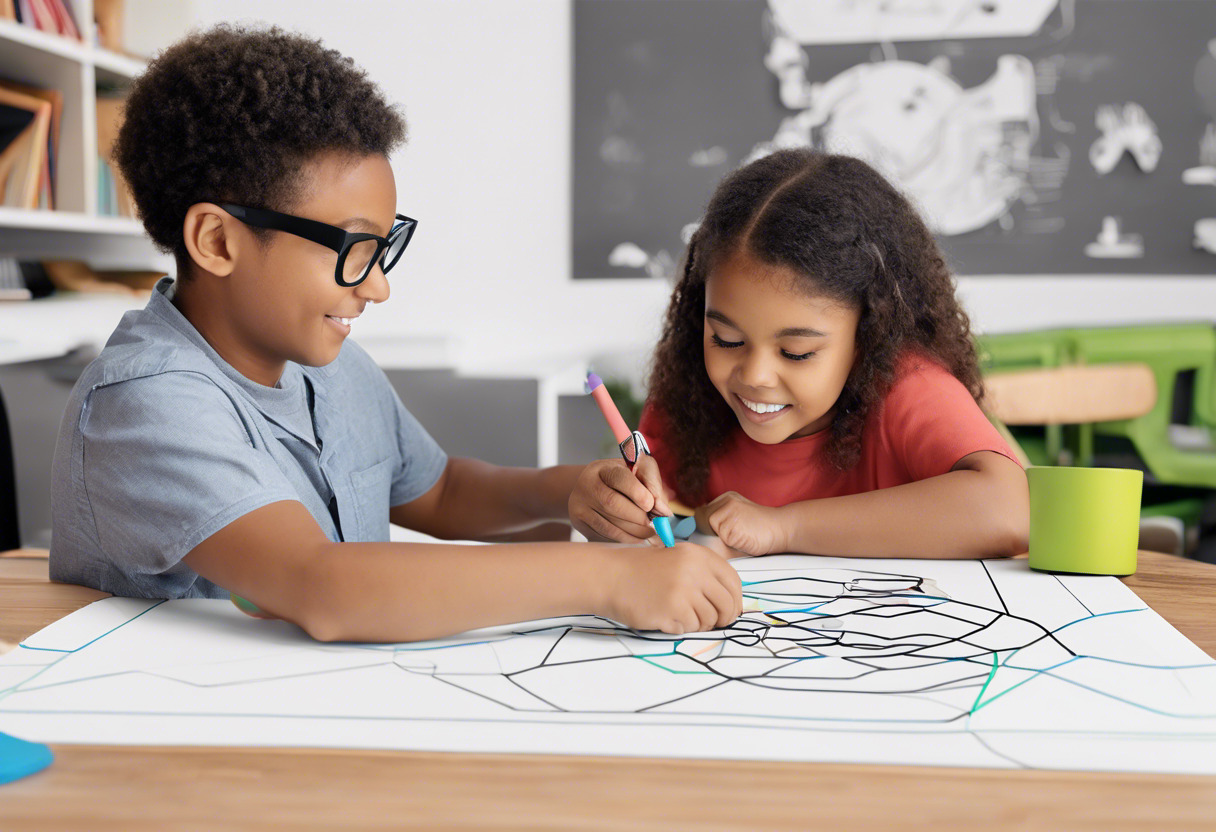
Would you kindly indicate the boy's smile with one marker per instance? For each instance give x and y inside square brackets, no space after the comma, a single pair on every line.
[777,355]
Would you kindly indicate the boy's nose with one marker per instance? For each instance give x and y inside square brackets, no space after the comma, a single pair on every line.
[375,287]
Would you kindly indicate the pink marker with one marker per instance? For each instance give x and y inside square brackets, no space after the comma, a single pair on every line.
[595,386]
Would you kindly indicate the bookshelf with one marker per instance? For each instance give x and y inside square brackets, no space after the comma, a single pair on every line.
[75,229]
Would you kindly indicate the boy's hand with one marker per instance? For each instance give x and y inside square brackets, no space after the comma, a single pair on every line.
[742,524]
[684,589]
[610,502]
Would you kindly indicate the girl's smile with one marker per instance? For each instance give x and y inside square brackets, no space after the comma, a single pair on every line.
[778,355]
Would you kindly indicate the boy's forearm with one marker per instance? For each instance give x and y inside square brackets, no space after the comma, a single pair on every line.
[385,592]
[960,514]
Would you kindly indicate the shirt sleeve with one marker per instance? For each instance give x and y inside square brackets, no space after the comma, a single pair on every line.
[422,461]
[931,422]
[166,463]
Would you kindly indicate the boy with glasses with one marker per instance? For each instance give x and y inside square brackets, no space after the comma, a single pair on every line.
[230,439]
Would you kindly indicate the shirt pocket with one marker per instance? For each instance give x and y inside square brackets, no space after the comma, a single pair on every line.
[371,491]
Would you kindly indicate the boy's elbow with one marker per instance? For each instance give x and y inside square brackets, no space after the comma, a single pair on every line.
[319,599]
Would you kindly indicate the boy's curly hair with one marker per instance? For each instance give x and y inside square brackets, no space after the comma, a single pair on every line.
[232,114]
[854,238]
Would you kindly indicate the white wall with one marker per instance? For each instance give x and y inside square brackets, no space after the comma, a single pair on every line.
[485,85]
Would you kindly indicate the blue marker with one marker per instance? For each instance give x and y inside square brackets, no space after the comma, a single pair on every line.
[19,758]
[632,445]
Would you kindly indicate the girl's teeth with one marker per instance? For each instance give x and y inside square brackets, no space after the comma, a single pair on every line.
[762,408]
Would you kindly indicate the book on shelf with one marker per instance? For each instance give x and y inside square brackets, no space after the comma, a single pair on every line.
[54,16]
[24,160]
[107,15]
[55,99]
[113,195]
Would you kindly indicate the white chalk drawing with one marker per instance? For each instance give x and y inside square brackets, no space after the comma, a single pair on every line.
[708,157]
[1125,129]
[963,155]
[1205,235]
[859,21]
[633,256]
[1112,243]
[1205,172]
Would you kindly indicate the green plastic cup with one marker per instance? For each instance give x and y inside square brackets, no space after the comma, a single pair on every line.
[1084,520]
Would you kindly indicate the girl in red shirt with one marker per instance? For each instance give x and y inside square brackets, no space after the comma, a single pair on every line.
[816,387]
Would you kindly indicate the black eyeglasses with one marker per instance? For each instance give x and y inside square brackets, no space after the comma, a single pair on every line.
[357,253]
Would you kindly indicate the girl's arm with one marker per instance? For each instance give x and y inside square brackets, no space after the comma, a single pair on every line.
[978,509]
[474,500]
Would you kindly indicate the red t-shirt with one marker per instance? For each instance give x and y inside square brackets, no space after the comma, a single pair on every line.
[926,424]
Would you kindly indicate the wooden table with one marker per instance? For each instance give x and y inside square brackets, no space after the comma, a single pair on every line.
[120,787]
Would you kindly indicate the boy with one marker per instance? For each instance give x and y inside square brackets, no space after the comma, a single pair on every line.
[230,439]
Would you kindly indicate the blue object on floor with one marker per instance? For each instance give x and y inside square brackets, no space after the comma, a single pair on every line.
[19,758]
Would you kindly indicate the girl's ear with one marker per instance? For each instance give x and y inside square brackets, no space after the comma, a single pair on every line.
[208,234]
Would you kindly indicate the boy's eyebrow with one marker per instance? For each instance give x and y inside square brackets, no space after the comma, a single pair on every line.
[361,223]
[788,332]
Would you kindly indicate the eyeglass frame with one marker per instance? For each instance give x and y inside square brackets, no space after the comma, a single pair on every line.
[330,236]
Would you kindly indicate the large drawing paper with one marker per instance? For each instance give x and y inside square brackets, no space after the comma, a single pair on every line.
[839,660]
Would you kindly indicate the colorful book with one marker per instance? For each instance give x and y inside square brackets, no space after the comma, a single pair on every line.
[21,162]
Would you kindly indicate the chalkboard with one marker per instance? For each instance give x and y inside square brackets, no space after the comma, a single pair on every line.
[1082,144]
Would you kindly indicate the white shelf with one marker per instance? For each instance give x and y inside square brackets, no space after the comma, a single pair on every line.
[28,36]
[119,67]
[68,221]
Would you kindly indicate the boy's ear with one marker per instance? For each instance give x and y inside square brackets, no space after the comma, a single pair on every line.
[207,232]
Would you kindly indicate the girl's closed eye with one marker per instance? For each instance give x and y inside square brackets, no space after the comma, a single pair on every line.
[721,342]
[797,356]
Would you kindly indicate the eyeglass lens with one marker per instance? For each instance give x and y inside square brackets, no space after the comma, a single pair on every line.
[397,241]
[358,263]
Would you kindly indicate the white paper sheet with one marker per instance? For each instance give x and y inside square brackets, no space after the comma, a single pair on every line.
[841,660]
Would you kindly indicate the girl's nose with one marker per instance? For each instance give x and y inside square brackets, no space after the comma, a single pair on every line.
[756,370]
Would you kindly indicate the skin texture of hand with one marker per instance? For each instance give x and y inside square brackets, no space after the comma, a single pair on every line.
[610,502]
[684,589]
[743,525]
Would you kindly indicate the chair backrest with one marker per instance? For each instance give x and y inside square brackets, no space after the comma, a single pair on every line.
[1071,395]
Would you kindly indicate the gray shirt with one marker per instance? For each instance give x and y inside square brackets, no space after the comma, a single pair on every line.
[163,444]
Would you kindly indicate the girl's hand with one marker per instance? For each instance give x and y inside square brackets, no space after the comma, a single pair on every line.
[610,502]
[684,589]
[743,525]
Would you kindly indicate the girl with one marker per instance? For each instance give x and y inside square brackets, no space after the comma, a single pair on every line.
[816,388]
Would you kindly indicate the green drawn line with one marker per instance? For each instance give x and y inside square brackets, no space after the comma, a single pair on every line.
[677,672]
[987,682]
[1035,674]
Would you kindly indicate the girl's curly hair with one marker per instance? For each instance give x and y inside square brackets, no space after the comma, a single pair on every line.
[853,238]
[232,114]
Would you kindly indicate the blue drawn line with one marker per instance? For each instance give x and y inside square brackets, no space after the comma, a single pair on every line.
[11,690]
